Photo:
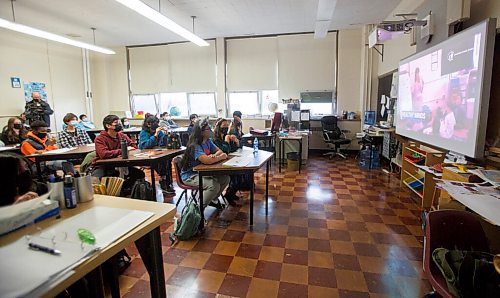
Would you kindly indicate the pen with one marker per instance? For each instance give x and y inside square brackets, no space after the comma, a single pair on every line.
[48,250]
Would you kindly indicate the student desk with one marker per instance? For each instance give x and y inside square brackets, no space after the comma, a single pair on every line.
[162,213]
[132,132]
[156,157]
[258,160]
[11,148]
[76,153]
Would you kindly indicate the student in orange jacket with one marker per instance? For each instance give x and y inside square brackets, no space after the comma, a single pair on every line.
[38,142]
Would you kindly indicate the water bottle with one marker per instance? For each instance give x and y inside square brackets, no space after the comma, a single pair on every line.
[69,192]
[124,146]
[255,146]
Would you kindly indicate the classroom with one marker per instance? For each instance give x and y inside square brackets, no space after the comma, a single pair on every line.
[315,148]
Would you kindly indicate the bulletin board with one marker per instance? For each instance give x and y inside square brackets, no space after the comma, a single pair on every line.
[35,87]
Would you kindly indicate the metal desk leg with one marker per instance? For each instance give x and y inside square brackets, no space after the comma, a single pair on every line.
[157,276]
[300,154]
[251,200]
[268,163]
[280,155]
[153,184]
[200,191]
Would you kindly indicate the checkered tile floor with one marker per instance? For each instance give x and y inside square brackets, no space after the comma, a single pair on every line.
[332,231]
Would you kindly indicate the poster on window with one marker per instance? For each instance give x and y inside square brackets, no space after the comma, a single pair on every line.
[35,87]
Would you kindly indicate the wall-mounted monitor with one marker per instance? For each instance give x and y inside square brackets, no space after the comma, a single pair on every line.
[444,91]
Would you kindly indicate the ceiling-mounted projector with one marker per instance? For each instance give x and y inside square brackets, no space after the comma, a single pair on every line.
[403,25]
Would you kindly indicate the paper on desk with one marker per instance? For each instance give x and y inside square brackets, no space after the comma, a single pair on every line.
[57,151]
[295,116]
[6,148]
[238,152]
[24,270]
[238,161]
[91,145]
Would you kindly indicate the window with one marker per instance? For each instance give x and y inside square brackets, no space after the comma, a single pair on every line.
[145,103]
[318,108]
[246,102]
[202,104]
[174,103]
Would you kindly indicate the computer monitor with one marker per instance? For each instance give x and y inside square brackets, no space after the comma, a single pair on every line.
[369,118]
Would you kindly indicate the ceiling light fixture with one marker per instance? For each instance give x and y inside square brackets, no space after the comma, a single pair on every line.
[47,35]
[324,17]
[155,16]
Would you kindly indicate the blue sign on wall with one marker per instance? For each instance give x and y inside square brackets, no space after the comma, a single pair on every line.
[15,82]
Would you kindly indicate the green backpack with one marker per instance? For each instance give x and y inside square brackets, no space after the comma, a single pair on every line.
[188,224]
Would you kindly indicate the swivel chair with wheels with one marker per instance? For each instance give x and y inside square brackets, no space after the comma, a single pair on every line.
[333,136]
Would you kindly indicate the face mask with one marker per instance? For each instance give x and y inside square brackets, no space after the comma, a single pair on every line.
[18,126]
[126,125]
[73,122]
[224,130]
[118,127]
[41,135]
[154,126]
[85,120]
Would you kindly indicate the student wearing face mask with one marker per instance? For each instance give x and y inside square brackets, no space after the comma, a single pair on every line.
[192,119]
[72,136]
[107,145]
[14,132]
[125,123]
[37,142]
[151,136]
[86,123]
[166,121]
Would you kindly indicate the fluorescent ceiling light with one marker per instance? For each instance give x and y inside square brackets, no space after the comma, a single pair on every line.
[324,17]
[321,29]
[146,11]
[51,36]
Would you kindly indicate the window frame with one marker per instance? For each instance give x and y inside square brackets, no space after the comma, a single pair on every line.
[194,93]
[259,93]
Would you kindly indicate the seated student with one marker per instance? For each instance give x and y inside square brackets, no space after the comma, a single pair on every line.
[166,121]
[107,145]
[14,133]
[125,122]
[86,123]
[229,143]
[72,136]
[16,180]
[152,135]
[200,149]
[38,142]
[192,119]
[237,125]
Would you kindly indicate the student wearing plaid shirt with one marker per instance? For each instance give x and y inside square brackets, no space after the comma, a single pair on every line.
[72,136]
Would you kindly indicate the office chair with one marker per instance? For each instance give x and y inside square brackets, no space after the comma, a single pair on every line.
[333,136]
[452,229]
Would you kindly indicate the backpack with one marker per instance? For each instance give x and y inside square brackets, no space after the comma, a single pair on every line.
[468,273]
[187,225]
[142,190]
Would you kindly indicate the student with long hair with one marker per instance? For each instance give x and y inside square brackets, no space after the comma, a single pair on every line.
[201,150]
[14,132]
[152,135]
[229,143]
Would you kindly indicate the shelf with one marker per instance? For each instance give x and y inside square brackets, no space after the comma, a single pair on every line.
[420,194]
[411,162]
[413,150]
[415,177]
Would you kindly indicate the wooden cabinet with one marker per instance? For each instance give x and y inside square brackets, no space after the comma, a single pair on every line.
[416,172]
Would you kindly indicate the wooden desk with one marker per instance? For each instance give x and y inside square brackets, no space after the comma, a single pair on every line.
[11,148]
[263,157]
[76,153]
[131,132]
[157,156]
[162,213]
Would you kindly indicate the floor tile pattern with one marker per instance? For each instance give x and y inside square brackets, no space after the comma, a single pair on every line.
[333,230]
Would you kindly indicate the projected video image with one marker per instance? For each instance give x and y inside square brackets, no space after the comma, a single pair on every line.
[438,92]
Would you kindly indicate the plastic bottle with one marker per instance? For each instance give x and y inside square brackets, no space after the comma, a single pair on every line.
[69,192]
[124,148]
[255,146]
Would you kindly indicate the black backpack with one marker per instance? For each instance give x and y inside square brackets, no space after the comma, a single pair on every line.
[142,190]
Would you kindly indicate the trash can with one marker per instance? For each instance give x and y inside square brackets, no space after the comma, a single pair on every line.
[292,160]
